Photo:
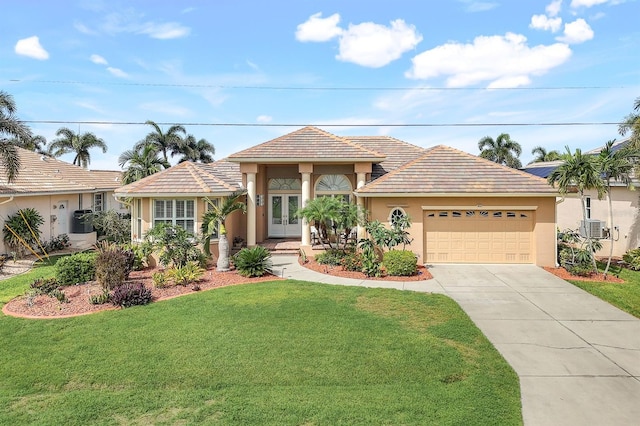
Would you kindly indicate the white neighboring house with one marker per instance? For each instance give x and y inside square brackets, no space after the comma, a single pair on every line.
[61,192]
[625,203]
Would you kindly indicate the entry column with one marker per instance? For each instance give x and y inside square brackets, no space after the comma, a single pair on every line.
[305,170]
[361,170]
[250,171]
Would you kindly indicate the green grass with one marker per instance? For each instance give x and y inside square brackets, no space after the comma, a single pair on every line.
[284,352]
[625,296]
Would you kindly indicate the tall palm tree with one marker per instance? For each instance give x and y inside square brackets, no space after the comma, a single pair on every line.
[614,165]
[503,150]
[214,219]
[200,151]
[10,127]
[631,124]
[579,172]
[141,163]
[542,155]
[168,142]
[35,143]
[78,143]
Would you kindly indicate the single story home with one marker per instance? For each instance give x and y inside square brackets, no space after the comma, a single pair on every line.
[463,209]
[59,191]
[625,205]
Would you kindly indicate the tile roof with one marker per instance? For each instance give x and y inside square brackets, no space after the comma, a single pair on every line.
[41,174]
[188,178]
[307,144]
[396,152]
[445,170]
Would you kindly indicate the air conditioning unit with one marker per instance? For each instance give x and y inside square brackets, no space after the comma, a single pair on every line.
[595,229]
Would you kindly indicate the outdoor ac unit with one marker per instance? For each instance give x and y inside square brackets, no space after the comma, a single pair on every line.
[595,228]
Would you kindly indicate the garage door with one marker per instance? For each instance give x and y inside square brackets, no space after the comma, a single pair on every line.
[478,236]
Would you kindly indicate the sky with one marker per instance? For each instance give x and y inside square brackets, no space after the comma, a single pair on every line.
[550,73]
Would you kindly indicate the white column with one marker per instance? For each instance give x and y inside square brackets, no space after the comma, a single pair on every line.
[361,180]
[306,195]
[251,209]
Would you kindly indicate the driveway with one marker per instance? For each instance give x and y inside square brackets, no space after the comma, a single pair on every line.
[578,357]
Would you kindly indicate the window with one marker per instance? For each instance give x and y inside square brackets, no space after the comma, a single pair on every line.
[175,212]
[98,202]
[587,206]
[284,184]
[334,186]
[497,214]
[138,233]
[396,215]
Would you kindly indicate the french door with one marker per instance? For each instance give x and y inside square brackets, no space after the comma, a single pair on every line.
[283,221]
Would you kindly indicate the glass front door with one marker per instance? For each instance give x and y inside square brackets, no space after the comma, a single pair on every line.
[283,221]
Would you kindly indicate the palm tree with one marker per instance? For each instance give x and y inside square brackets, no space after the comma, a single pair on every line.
[35,143]
[10,127]
[542,155]
[141,163]
[503,150]
[321,211]
[77,143]
[171,141]
[614,165]
[579,172]
[631,124]
[198,152]
[214,219]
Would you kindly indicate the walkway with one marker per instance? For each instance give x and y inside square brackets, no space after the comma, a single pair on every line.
[578,358]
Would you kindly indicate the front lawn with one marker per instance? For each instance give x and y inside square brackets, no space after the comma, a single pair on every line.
[284,352]
[19,284]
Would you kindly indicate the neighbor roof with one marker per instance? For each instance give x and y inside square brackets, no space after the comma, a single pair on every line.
[542,169]
[41,174]
[188,179]
[308,144]
[442,170]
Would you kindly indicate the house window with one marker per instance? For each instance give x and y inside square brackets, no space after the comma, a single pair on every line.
[396,215]
[210,205]
[284,184]
[175,212]
[98,202]
[334,186]
[587,206]
[138,219]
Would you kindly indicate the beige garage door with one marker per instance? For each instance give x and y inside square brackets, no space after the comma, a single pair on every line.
[478,236]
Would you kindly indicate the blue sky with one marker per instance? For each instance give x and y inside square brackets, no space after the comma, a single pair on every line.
[466,68]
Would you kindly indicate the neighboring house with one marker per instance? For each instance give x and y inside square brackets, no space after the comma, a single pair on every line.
[59,191]
[625,203]
[464,209]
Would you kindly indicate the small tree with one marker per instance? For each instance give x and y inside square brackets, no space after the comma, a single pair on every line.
[174,245]
[215,219]
[22,230]
[324,213]
[111,226]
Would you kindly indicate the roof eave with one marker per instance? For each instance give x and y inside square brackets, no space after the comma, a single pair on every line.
[281,160]
[454,194]
[172,194]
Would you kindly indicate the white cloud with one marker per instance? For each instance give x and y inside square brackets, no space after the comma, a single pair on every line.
[97,59]
[588,3]
[264,119]
[83,28]
[164,31]
[117,72]
[374,45]
[493,59]
[319,29]
[479,6]
[576,32]
[543,22]
[554,8]
[32,48]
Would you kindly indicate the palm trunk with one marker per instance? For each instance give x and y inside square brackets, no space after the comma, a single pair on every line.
[606,269]
[223,253]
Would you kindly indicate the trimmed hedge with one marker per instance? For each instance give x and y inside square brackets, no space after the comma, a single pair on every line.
[77,268]
[400,263]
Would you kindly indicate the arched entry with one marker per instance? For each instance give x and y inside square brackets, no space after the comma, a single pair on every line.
[284,202]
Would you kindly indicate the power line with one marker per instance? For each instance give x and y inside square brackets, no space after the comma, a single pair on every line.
[317,88]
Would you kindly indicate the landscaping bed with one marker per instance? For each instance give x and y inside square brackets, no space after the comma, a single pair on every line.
[565,275]
[339,271]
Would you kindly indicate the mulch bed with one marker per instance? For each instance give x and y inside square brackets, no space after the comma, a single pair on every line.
[339,271]
[78,295]
[562,273]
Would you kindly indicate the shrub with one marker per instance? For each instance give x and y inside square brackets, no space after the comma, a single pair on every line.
[174,245]
[22,227]
[44,285]
[112,226]
[159,279]
[331,257]
[58,243]
[370,263]
[113,264]
[253,262]
[576,261]
[187,274]
[400,263]
[632,259]
[352,261]
[59,294]
[131,294]
[100,299]
[77,268]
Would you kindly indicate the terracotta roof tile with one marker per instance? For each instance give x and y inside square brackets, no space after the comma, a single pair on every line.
[396,152]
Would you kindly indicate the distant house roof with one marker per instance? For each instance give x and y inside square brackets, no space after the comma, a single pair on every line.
[542,169]
[446,171]
[188,179]
[40,174]
[616,146]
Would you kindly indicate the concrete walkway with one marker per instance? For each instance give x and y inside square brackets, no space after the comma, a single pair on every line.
[578,358]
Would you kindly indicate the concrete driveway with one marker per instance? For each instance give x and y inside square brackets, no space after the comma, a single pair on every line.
[578,357]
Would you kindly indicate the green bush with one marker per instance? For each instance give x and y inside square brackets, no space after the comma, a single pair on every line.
[187,274]
[100,299]
[632,259]
[159,279]
[77,268]
[113,265]
[44,285]
[352,261]
[253,262]
[22,227]
[370,263]
[401,263]
[131,294]
[331,257]
[173,245]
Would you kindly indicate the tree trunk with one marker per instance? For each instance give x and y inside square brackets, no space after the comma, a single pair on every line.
[223,253]
[606,269]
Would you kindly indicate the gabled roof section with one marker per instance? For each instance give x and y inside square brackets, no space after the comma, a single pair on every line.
[308,144]
[442,170]
[40,174]
[396,152]
[616,146]
[188,179]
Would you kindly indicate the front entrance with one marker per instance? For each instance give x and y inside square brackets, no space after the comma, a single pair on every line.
[283,221]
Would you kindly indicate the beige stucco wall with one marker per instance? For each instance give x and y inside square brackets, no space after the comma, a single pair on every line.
[544,218]
[626,215]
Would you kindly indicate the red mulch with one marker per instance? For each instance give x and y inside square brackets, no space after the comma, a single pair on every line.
[339,271]
[78,295]
[562,273]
